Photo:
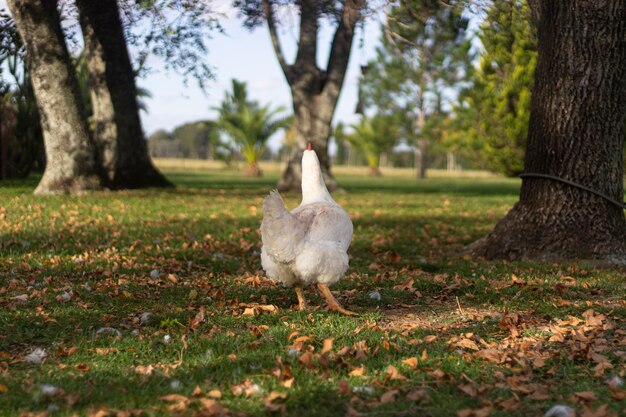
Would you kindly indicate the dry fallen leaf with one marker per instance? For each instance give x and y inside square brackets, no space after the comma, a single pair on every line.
[411,362]
[327,345]
[392,373]
[389,396]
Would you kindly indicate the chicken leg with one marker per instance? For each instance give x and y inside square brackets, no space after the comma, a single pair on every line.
[302,305]
[333,305]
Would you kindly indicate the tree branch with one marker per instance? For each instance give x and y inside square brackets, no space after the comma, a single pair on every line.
[341,47]
[307,42]
[271,24]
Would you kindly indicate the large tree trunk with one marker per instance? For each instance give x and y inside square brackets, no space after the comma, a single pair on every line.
[576,132]
[118,134]
[313,118]
[314,91]
[71,166]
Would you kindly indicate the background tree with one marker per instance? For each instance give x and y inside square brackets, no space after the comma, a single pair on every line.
[576,133]
[196,139]
[424,53]
[314,91]
[496,109]
[374,136]
[21,140]
[248,124]
[71,166]
[122,150]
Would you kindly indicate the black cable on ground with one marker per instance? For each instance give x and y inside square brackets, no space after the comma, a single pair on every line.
[619,204]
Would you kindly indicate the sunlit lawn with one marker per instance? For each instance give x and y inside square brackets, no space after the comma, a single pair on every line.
[154,303]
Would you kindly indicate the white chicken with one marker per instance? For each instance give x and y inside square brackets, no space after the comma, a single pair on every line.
[309,244]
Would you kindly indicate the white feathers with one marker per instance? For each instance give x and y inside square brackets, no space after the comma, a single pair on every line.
[309,244]
[36,357]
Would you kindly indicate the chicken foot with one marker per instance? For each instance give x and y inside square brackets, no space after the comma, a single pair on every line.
[302,304]
[333,304]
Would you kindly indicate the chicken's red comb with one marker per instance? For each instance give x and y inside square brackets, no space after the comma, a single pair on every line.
[308,147]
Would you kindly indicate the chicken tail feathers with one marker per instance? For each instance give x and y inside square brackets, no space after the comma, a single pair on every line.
[281,231]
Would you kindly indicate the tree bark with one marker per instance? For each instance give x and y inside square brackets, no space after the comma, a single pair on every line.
[122,148]
[71,166]
[314,92]
[576,132]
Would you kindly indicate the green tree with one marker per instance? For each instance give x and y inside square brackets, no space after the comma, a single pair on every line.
[196,139]
[314,90]
[373,136]
[424,54]
[496,109]
[249,124]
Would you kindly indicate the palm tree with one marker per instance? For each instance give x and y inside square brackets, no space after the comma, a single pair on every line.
[373,136]
[248,124]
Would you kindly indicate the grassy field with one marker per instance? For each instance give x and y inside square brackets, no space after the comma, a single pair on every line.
[153,303]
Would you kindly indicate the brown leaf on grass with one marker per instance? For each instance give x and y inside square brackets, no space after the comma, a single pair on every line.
[67,351]
[247,388]
[214,393]
[360,371]
[467,344]
[389,396]
[257,331]
[478,412]
[3,388]
[509,404]
[586,396]
[83,367]
[410,362]
[197,391]
[343,387]
[469,389]
[420,394]
[614,386]
[179,402]
[306,359]
[327,345]
[430,338]
[144,370]
[213,408]
[491,355]
[392,373]
[105,351]
[406,285]
[198,318]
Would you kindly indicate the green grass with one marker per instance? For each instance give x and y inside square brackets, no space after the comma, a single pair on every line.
[511,338]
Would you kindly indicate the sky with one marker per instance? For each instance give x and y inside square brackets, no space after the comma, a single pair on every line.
[248,56]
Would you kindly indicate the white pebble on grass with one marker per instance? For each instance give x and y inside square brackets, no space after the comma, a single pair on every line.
[616,381]
[154,274]
[167,338]
[375,295]
[293,352]
[176,385]
[560,411]
[364,389]
[145,318]
[36,357]
[49,390]
[109,331]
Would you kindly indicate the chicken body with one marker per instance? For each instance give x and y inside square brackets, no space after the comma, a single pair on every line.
[309,244]
[306,246]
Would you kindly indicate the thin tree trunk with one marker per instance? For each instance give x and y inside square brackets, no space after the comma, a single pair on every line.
[71,164]
[118,134]
[422,143]
[313,126]
[576,132]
